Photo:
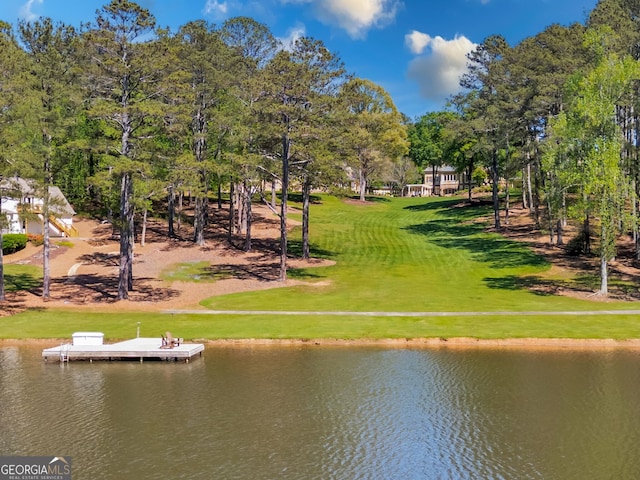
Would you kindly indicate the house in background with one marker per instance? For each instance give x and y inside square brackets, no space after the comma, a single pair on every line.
[23,209]
[446,182]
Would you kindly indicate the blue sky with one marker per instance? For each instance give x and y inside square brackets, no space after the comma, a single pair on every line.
[415,49]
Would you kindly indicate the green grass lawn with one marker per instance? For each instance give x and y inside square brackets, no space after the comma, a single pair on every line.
[411,254]
[197,272]
[22,277]
[392,255]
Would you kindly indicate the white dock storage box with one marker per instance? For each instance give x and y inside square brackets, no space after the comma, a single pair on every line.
[88,338]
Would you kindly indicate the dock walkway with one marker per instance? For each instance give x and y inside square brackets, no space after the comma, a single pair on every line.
[137,348]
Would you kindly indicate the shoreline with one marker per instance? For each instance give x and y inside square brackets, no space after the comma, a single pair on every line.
[565,344]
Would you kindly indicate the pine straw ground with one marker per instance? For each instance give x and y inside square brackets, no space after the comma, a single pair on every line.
[573,275]
[85,275]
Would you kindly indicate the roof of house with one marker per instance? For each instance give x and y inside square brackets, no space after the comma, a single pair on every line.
[61,204]
[19,187]
[441,169]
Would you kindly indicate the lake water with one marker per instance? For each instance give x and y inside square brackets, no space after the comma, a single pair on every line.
[329,413]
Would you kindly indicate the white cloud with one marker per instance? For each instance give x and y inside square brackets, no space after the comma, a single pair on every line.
[356,17]
[294,34]
[438,72]
[417,41]
[215,8]
[25,11]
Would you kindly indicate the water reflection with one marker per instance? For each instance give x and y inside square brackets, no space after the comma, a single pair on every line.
[329,413]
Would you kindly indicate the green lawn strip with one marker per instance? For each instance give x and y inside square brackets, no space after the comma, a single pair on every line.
[59,324]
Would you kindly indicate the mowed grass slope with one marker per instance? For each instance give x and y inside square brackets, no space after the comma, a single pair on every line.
[392,255]
[410,255]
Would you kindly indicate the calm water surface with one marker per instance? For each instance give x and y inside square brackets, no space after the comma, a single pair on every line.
[330,413]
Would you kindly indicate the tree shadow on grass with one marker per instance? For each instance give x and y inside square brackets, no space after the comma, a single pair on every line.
[304,274]
[454,207]
[355,199]
[295,249]
[21,282]
[581,286]
[298,198]
[263,272]
[432,203]
[493,250]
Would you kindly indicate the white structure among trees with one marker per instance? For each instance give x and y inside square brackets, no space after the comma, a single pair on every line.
[446,182]
[22,208]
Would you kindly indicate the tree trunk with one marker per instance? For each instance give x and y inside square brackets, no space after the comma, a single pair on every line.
[524,189]
[433,179]
[131,241]
[496,200]
[559,239]
[232,213]
[240,202]
[125,236]
[604,276]
[180,208]
[470,182]
[2,290]
[636,233]
[274,194]
[143,236]
[199,220]
[535,197]
[171,210]
[46,246]
[247,218]
[529,189]
[506,205]
[306,194]
[199,152]
[219,192]
[283,207]
[550,217]
[363,185]
[586,230]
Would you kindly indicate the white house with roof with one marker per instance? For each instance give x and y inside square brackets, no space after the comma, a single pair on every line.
[22,207]
[446,181]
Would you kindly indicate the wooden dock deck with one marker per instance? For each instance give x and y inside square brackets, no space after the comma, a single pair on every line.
[137,348]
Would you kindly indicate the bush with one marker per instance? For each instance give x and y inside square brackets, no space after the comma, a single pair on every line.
[35,240]
[12,242]
[479,176]
[341,192]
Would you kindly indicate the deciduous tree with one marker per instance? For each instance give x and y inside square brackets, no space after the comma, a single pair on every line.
[373,129]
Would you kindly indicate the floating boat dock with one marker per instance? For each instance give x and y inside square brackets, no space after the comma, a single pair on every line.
[89,346]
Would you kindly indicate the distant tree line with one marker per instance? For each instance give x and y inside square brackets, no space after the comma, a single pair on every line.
[123,115]
[561,111]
